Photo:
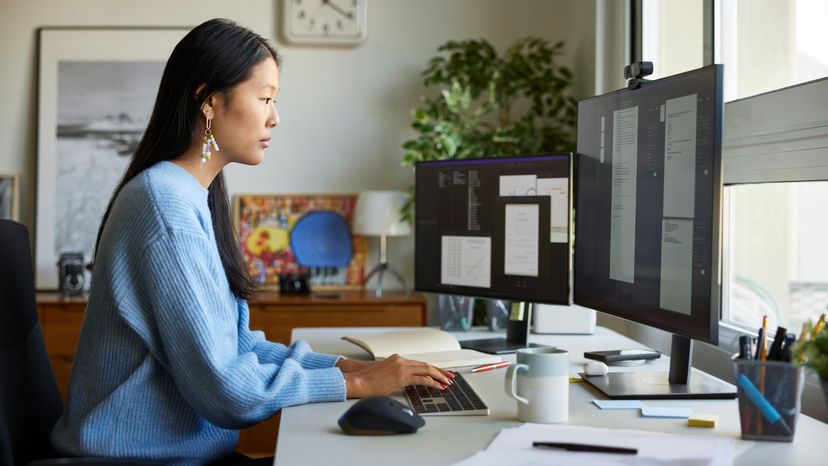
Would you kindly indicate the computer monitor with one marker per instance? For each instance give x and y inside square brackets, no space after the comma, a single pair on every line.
[495,228]
[647,221]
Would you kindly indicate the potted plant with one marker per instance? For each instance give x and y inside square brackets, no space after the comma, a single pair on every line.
[812,351]
[482,104]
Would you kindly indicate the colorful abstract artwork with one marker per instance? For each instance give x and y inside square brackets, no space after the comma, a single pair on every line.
[264,224]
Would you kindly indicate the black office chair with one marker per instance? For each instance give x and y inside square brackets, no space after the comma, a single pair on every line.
[30,403]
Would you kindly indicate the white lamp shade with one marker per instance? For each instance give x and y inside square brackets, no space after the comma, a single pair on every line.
[378,213]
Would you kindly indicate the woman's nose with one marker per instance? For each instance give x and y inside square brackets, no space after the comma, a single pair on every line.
[273,121]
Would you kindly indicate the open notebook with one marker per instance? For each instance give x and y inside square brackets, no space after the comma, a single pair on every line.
[436,347]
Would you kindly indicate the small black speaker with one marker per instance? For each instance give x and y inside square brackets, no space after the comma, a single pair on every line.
[294,283]
[70,274]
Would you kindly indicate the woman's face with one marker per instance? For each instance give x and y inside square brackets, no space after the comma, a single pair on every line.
[244,116]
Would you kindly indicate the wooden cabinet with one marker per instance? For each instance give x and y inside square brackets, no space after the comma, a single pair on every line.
[277,315]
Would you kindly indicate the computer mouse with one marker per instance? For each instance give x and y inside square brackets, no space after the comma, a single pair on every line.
[595,368]
[380,415]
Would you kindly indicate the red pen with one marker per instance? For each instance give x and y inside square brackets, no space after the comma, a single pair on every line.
[490,367]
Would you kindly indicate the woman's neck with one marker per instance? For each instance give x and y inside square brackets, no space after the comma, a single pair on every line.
[191,161]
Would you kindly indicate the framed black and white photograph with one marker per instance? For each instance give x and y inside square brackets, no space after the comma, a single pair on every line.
[97,88]
[9,196]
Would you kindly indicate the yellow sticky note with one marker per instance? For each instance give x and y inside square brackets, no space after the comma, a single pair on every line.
[517,311]
[702,420]
[575,379]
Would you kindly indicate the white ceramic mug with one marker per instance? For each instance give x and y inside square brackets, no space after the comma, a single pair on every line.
[540,384]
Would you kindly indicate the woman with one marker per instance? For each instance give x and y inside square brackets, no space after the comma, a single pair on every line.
[166,365]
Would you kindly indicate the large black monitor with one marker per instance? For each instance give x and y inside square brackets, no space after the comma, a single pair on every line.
[647,203]
[495,228]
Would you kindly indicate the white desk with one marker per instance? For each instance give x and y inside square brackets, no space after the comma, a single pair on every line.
[309,434]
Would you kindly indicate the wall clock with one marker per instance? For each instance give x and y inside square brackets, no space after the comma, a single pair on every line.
[324,22]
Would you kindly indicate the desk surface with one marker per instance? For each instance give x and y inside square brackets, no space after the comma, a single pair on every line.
[309,434]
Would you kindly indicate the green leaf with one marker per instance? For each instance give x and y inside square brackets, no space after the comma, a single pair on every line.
[486,105]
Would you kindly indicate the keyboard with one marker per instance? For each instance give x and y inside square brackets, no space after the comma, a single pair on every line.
[458,399]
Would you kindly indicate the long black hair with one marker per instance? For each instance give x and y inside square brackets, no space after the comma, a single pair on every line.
[218,54]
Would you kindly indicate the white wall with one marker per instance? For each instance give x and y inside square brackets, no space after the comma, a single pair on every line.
[344,111]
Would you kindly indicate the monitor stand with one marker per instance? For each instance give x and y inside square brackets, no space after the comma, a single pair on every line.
[678,384]
[517,333]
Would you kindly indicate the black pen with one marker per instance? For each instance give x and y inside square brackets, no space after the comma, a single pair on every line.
[759,344]
[744,347]
[787,345]
[775,353]
[586,448]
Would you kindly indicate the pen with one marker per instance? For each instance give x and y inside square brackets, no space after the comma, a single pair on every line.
[586,448]
[770,413]
[490,367]
[790,338]
[775,351]
[744,347]
[758,344]
[818,325]
[763,355]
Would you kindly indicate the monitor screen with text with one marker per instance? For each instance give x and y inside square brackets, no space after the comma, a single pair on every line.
[647,201]
[495,227]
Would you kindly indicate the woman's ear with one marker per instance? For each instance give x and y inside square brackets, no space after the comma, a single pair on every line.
[207,108]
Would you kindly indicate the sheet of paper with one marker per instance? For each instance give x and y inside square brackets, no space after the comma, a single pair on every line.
[558,191]
[521,240]
[514,447]
[456,358]
[680,157]
[676,287]
[676,413]
[466,261]
[624,183]
[518,185]
[646,411]
[619,404]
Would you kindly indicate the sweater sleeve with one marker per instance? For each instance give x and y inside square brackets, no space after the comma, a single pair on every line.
[275,353]
[198,342]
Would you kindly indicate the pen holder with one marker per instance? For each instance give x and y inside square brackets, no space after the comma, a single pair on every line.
[769,399]
[456,312]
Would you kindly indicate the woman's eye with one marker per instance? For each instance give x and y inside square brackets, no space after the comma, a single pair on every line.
[267,100]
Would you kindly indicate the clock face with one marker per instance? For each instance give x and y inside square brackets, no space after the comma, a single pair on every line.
[324,21]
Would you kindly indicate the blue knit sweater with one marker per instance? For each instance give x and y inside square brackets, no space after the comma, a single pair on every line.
[166,365]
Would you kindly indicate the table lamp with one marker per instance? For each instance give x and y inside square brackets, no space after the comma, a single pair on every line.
[378,214]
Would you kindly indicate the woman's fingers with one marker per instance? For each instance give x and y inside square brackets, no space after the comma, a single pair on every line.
[394,373]
[433,372]
[422,368]
[427,381]
[438,375]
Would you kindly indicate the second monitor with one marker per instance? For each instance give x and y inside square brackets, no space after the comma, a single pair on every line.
[496,228]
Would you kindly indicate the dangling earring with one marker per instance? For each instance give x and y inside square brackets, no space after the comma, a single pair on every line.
[208,143]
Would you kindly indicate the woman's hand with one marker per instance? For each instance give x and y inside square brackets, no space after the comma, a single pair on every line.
[386,376]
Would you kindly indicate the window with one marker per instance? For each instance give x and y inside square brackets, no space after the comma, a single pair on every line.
[777,253]
[672,36]
[776,232]
[777,259]
[764,44]
[770,44]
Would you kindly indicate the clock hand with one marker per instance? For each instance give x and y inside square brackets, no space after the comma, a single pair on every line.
[339,10]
